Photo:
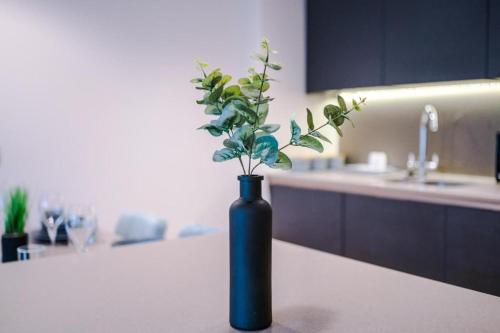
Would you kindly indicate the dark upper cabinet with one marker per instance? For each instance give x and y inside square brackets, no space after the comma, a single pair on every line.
[344,44]
[310,218]
[473,249]
[494,40]
[403,235]
[367,43]
[435,40]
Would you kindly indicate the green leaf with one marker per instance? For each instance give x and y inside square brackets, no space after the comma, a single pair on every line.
[197,80]
[332,111]
[269,128]
[231,91]
[276,67]
[266,149]
[249,114]
[283,162]
[234,98]
[342,104]
[320,136]
[231,144]
[250,91]
[264,44]
[356,105]
[228,117]
[262,112]
[310,142]
[242,136]
[212,79]
[257,84]
[295,129]
[214,130]
[224,154]
[216,93]
[261,57]
[310,121]
[225,79]
[337,128]
[244,81]
[212,109]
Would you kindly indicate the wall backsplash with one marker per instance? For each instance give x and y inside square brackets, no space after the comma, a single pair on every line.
[465,142]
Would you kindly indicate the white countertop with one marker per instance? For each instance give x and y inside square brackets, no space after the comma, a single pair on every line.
[476,191]
[182,286]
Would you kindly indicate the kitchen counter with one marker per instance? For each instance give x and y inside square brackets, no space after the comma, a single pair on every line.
[474,192]
[182,286]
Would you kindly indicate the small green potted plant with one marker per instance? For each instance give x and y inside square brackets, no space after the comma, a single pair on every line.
[16,213]
[239,112]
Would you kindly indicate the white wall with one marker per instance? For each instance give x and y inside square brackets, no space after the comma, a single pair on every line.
[96,104]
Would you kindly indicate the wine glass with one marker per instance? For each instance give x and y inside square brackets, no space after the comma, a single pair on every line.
[51,209]
[81,223]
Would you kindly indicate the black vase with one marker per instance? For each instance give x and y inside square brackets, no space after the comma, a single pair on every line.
[250,257]
[10,243]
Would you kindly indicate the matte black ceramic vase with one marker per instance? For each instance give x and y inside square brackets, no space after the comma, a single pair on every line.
[10,243]
[250,257]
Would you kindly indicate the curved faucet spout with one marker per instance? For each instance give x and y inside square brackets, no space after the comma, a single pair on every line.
[430,117]
[428,120]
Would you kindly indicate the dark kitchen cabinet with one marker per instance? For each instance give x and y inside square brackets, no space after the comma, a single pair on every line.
[344,44]
[435,40]
[473,249]
[310,218]
[407,236]
[369,43]
[494,40]
[457,245]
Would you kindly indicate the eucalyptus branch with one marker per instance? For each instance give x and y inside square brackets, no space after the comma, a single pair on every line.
[312,131]
[256,111]
[239,114]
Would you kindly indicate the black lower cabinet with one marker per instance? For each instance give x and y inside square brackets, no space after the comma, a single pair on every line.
[457,245]
[310,218]
[473,249]
[407,236]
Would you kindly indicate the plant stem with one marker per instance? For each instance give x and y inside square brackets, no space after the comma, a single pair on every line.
[255,167]
[242,166]
[250,170]
[230,135]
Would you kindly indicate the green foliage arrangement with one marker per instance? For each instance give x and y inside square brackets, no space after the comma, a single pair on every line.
[241,110]
[16,211]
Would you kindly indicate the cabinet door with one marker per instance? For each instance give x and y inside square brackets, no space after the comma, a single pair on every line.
[435,40]
[473,249]
[494,42]
[310,218]
[344,44]
[407,236]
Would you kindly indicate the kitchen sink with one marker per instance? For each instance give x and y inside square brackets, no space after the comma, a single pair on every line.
[431,182]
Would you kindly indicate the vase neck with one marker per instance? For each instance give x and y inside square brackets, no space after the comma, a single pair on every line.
[250,187]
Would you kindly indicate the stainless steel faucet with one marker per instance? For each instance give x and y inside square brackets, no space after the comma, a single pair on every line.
[428,120]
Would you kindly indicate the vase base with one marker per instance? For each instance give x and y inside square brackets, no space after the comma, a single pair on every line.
[257,328]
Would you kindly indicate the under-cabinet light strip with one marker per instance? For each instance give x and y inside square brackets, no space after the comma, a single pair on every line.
[388,93]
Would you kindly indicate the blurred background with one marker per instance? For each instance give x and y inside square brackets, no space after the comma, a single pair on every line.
[96,103]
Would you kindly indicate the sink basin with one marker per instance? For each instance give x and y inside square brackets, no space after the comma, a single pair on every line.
[431,182]
[443,183]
